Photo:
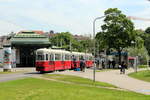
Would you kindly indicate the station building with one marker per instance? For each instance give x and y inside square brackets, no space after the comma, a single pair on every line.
[24,44]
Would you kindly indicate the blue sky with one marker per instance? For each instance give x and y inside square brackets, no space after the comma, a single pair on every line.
[75,16]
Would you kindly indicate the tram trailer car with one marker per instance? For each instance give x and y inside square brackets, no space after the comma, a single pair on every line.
[52,60]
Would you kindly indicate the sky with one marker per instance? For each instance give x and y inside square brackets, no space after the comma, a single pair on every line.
[74,16]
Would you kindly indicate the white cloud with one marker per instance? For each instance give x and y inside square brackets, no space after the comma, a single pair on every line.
[8,27]
[75,16]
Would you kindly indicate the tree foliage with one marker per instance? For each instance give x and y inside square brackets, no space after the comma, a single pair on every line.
[66,40]
[139,39]
[118,30]
[140,52]
[147,39]
[147,30]
[62,39]
[86,45]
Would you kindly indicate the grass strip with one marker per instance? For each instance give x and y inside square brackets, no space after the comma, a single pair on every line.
[39,89]
[141,75]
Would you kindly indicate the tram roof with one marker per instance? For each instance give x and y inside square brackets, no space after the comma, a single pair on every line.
[62,51]
[81,53]
[52,51]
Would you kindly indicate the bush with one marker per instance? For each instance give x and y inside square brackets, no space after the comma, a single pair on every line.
[142,66]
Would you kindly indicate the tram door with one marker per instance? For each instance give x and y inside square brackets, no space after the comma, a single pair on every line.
[51,61]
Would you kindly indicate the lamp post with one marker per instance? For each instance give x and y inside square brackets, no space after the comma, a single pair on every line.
[136,58]
[94,45]
[94,40]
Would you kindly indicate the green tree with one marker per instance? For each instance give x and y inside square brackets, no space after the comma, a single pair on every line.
[118,31]
[138,48]
[147,30]
[66,40]
[140,52]
[63,40]
[85,45]
[147,39]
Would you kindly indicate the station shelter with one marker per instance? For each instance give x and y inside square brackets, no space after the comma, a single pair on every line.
[25,45]
[133,61]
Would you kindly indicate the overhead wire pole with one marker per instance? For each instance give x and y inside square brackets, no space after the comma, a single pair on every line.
[94,41]
[138,18]
[94,45]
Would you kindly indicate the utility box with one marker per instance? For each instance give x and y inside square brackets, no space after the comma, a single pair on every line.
[7,58]
[1,57]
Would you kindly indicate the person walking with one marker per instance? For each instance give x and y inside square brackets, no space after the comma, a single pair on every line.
[103,64]
[123,67]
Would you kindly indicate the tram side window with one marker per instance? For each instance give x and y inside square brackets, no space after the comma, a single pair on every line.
[63,57]
[57,56]
[81,57]
[51,57]
[90,57]
[46,56]
[86,57]
[67,57]
[77,58]
[40,57]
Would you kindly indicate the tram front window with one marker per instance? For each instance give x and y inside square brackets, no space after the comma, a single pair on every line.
[40,57]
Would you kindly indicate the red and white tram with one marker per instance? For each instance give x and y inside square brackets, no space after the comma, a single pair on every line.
[52,59]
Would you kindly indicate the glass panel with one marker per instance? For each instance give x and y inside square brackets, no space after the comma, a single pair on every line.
[57,56]
[91,58]
[51,57]
[40,57]
[46,56]
[67,57]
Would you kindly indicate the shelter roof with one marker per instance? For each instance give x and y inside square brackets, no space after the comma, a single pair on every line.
[29,38]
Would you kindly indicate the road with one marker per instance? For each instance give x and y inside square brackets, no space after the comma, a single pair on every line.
[18,73]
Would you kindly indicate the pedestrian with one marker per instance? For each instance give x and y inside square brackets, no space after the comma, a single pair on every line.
[82,64]
[103,64]
[123,67]
[109,63]
[74,62]
[113,64]
[97,63]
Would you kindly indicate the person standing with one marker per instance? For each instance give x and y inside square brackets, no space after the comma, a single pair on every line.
[74,62]
[113,64]
[82,64]
[109,63]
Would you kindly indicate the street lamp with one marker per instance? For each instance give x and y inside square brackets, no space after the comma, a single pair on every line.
[94,40]
[136,58]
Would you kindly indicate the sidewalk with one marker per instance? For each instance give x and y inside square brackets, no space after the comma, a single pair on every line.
[115,78]
[21,69]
